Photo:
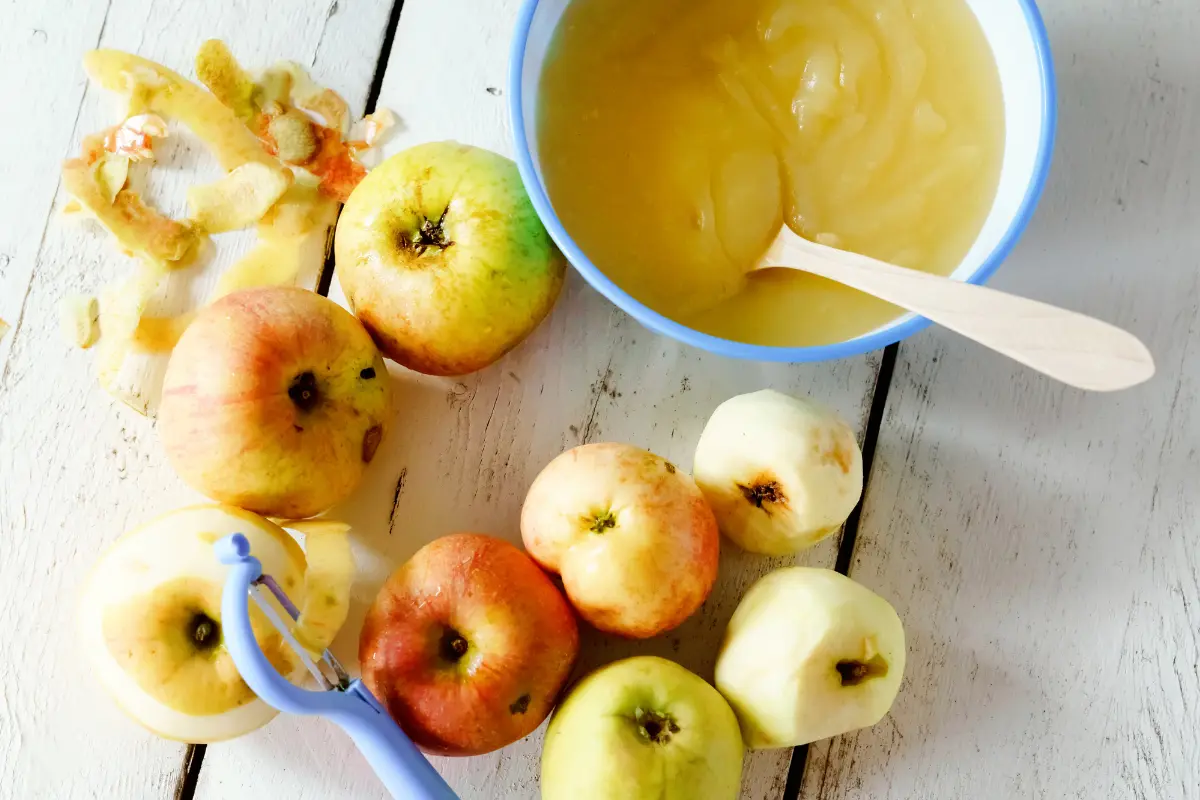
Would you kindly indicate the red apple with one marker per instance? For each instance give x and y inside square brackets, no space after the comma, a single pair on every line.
[275,400]
[632,536]
[467,645]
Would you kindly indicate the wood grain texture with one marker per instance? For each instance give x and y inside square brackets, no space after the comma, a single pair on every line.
[1041,544]
[76,468]
[466,450]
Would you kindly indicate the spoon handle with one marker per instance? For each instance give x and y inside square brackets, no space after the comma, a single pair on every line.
[1070,347]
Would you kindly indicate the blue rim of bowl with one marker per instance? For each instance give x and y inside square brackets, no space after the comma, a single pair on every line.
[726,347]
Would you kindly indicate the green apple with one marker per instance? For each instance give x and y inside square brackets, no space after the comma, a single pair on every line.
[442,257]
[150,623]
[644,727]
[275,400]
[809,654]
[781,473]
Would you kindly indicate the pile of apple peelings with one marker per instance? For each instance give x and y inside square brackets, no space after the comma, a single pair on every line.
[285,144]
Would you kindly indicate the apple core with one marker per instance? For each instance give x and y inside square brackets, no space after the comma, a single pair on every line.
[857,672]
[206,632]
[762,492]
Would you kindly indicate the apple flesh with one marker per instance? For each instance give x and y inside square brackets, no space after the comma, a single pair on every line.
[467,645]
[444,259]
[275,400]
[781,473]
[809,654]
[630,534]
[150,623]
[640,728]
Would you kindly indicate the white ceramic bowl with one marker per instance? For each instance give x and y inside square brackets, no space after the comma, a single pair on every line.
[1019,43]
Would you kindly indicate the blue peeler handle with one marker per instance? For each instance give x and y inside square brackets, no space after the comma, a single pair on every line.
[402,768]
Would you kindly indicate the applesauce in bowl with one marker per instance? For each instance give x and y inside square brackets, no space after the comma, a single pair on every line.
[665,142]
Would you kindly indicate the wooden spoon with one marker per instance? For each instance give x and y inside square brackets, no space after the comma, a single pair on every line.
[1070,347]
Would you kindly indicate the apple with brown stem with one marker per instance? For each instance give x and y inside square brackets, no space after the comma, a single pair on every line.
[467,645]
[275,400]
[630,534]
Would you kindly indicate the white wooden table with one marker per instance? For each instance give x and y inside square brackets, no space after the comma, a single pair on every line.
[1042,545]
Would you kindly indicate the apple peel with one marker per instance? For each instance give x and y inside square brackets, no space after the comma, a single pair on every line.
[239,199]
[152,87]
[160,334]
[79,317]
[373,129]
[161,241]
[327,581]
[134,138]
[220,72]
[122,307]
[306,94]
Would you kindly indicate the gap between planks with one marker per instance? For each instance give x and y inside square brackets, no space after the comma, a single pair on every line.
[883,382]
[193,757]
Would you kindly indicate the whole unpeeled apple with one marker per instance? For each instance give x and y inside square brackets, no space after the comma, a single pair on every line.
[630,534]
[809,654]
[150,623]
[443,258]
[275,400]
[467,645]
[781,473]
[640,728]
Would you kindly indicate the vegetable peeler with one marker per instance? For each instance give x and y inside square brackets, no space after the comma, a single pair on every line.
[402,768]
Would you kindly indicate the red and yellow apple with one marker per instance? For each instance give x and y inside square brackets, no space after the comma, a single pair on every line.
[150,623]
[444,259]
[630,534]
[468,645]
[275,400]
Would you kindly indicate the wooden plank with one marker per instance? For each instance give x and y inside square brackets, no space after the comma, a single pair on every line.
[466,450]
[76,468]
[1041,544]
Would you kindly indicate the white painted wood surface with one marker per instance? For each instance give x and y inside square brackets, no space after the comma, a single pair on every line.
[76,468]
[1042,545]
[474,445]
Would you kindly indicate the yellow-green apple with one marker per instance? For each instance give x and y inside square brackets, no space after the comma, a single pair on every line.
[443,258]
[646,728]
[630,534]
[809,654]
[275,400]
[781,473]
[468,645]
[150,623]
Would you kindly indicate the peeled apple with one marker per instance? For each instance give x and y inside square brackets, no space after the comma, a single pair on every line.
[781,473]
[150,622]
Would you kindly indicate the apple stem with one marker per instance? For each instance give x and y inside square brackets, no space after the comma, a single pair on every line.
[430,234]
